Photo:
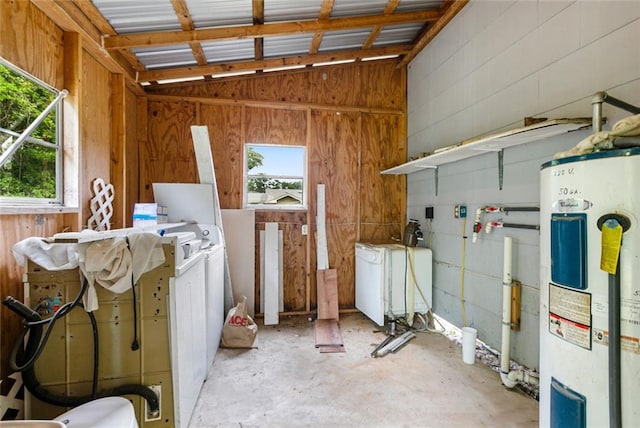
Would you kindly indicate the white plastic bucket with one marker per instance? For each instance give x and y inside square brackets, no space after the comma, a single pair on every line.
[469,336]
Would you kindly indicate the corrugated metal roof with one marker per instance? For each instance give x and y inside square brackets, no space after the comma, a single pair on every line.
[341,40]
[397,34]
[412,5]
[342,8]
[165,61]
[291,10]
[213,13]
[127,16]
[279,46]
[228,50]
[163,57]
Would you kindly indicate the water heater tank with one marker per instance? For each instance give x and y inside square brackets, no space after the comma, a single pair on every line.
[575,366]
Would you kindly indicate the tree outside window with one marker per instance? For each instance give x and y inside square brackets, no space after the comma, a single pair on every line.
[32,172]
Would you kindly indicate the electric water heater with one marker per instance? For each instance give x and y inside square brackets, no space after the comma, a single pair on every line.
[590,290]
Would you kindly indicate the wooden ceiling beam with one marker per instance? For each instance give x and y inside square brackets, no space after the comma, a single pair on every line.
[207,70]
[375,31]
[325,13]
[127,41]
[186,22]
[257,7]
[449,10]
[95,16]
[69,18]
[96,19]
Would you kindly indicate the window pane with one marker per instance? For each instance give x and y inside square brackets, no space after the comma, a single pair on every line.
[275,176]
[32,170]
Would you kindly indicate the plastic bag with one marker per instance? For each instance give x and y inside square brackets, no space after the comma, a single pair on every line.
[239,330]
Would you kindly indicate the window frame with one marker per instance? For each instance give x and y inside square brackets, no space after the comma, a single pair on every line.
[11,204]
[246,176]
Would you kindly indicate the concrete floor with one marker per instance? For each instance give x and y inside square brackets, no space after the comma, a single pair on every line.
[287,382]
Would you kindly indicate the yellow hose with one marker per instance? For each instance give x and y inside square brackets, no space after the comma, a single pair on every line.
[462,261]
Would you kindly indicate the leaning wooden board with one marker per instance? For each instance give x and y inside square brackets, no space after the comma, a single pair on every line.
[327,280]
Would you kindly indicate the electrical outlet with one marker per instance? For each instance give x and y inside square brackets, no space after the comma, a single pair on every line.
[305,229]
[150,416]
[460,211]
[428,212]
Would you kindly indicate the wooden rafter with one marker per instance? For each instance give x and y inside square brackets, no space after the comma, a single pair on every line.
[258,19]
[184,17]
[70,18]
[449,9]
[186,72]
[98,20]
[127,41]
[375,31]
[325,13]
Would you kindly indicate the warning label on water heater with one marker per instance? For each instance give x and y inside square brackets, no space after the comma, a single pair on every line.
[570,315]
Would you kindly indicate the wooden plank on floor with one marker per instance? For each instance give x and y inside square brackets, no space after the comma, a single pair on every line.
[327,284]
[331,349]
[327,333]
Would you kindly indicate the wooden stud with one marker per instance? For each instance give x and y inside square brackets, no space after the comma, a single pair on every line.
[118,151]
[516,298]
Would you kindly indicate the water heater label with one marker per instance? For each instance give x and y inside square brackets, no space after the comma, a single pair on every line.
[627,343]
[570,331]
[571,205]
[570,315]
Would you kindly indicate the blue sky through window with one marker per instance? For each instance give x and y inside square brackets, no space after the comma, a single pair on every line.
[280,160]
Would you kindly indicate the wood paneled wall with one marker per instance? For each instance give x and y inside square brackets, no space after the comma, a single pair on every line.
[34,43]
[352,121]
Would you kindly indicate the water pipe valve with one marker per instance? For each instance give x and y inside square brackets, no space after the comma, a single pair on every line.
[477,225]
[490,225]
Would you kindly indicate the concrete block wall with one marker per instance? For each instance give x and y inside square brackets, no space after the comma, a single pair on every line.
[494,64]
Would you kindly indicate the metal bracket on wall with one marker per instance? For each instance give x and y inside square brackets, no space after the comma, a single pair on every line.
[436,179]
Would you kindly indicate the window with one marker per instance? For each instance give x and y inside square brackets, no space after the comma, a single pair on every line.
[275,177]
[31,153]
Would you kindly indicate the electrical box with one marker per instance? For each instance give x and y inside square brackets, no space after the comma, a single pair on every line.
[460,211]
[428,213]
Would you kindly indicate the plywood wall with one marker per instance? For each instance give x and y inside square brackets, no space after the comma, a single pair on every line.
[372,85]
[350,118]
[34,43]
